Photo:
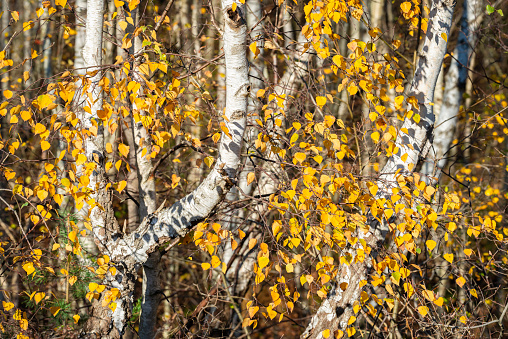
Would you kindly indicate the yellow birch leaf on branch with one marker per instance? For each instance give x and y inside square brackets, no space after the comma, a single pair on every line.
[423,310]
[430,244]
[263,262]
[300,157]
[124,150]
[7,94]
[375,137]
[250,177]
[61,3]
[54,310]
[321,101]
[405,7]
[448,257]
[39,296]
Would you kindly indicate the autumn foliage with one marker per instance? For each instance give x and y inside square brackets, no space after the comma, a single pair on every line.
[310,215]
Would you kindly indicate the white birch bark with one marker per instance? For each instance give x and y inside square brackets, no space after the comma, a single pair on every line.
[455,85]
[147,204]
[27,10]
[335,311]
[4,39]
[239,274]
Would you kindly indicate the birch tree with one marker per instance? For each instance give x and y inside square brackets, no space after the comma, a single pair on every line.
[132,250]
[336,311]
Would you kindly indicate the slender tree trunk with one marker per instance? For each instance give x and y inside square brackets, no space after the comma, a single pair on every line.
[27,10]
[455,85]
[4,39]
[335,312]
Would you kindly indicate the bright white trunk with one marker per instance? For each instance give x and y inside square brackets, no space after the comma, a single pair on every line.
[455,84]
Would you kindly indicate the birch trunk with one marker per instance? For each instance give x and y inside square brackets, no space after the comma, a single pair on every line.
[4,39]
[239,274]
[128,252]
[455,85]
[80,68]
[27,10]
[147,203]
[336,310]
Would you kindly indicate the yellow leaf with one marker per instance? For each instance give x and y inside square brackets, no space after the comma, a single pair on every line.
[448,257]
[60,3]
[271,312]
[121,185]
[72,236]
[252,311]
[430,244]
[373,189]
[7,306]
[375,137]
[473,293]
[352,89]
[460,281]
[54,310]
[81,159]
[93,286]
[351,320]
[260,93]
[124,150]
[123,25]
[15,15]
[55,247]
[405,6]
[254,49]
[423,310]
[205,266]
[44,101]
[28,267]
[209,161]
[39,128]
[7,94]
[233,7]
[215,261]
[263,262]
[468,251]
[326,333]
[26,115]
[321,101]
[252,243]
[73,279]
[39,296]
[45,145]
[300,157]
[444,36]
[118,3]
[76,318]
[250,177]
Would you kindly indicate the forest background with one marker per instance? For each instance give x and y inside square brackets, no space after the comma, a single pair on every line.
[253,169]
